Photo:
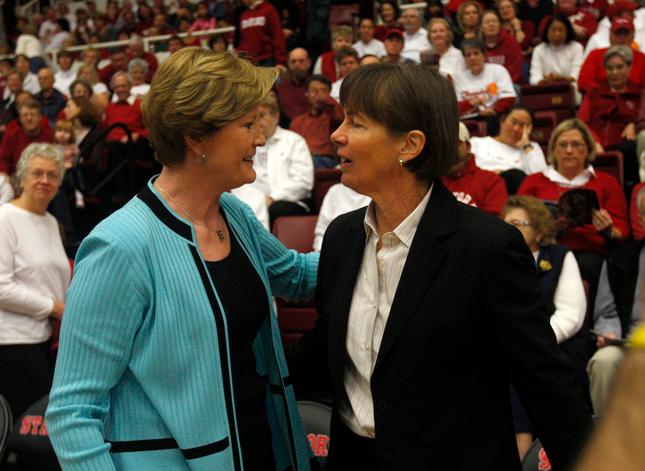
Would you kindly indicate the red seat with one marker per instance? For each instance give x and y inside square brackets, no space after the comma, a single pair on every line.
[543,124]
[637,228]
[324,179]
[610,162]
[558,98]
[295,318]
[476,128]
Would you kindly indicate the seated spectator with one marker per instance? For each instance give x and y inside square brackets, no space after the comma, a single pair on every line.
[80,87]
[34,277]
[389,13]
[29,45]
[610,110]
[571,152]
[30,128]
[118,63]
[511,154]
[261,34]
[522,30]
[368,59]
[65,141]
[29,79]
[137,71]
[6,190]
[563,290]
[90,57]
[48,27]
[500,46]
[593,71]
[160,25]
[135,51]
[583,22]
[450,59]
[394,43]
[617,311]
[619,9]
[61,36]
[284,167]
[256,201]
[203,19]
[126,110]
[66,73]
[469,18]
[338,200]
[558,57]
[483,89]
[470,184]
[324,115]
[367,43]
[100,94]
[341,36]
[52,101]
[291,90]
[11,90]
[347,59]
[415,38]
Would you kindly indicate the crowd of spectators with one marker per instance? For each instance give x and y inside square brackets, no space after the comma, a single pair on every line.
[52,91]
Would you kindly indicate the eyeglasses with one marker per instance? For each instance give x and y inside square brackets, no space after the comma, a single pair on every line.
[518,222]
[575,145]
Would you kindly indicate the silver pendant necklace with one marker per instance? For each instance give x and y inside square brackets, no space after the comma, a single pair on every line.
[219,232]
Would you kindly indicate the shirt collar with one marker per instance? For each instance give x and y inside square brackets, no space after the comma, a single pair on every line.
[406,229]
[581,179]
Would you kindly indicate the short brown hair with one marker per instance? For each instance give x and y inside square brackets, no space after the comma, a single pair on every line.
[89,115]
[568,125]
[271,103]
[406,97]
[540,217]
[195,92]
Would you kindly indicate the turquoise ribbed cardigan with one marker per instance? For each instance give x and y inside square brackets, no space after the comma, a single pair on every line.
[143,376]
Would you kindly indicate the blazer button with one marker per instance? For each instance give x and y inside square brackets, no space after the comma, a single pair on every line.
[381,405]
[387,457]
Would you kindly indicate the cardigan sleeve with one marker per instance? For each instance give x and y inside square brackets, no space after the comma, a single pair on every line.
[105,308]
[292,275]
[570,301]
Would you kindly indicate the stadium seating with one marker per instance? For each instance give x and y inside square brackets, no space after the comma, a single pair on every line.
[476,128]
[638,231]
[610,162]
[324,179]
[558,98]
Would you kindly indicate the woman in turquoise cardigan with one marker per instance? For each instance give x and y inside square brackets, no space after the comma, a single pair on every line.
[170,355]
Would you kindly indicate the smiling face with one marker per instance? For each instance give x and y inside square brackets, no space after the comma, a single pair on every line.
[570,153]
[230,150]
[41,181]
[411,20]
[438,35]
[387,13]
[368,154]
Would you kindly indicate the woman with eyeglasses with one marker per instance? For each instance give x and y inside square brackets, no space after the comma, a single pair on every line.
[610,110]
[563,292]
[570,154]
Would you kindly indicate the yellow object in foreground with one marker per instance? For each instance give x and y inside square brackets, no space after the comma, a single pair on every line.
[638,339]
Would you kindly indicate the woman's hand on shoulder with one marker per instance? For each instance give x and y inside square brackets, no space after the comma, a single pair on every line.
[57,310]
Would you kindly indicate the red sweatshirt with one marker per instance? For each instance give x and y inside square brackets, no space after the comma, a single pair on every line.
[261,33]
[610,196]
[128,114]
[317,129]
[328,66]
[507,52]
[477,187]
[593,71]
[14,142]
[606,113]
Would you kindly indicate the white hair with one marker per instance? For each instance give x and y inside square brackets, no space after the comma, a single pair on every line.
[43,150]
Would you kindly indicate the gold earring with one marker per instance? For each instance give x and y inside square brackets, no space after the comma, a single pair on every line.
[201,160]
[401,162]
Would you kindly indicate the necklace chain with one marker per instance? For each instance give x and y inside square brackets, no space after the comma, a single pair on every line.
[220,233]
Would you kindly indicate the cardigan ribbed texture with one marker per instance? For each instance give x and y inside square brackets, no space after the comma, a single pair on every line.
[144,350]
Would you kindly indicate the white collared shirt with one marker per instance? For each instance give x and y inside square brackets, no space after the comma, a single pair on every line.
[580,180]
[374,47]
[376,285]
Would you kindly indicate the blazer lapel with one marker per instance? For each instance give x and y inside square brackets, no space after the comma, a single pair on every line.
[348,259]
[424,260]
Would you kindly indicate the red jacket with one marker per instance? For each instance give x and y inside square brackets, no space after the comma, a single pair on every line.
[292,98]
[606,113]
[261,34]
[477,187]
[507,52]
[328,65]
[610,196]
[128,114]
[317,129]
[14,142]
[593,71]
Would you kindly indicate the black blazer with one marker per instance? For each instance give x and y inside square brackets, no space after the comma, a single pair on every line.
[466,319]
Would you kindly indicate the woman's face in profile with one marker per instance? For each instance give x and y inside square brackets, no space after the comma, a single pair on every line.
[368,153]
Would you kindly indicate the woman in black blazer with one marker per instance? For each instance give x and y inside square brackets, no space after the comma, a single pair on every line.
[428,307]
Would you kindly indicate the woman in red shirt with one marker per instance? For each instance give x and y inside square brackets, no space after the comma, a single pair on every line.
[501,46]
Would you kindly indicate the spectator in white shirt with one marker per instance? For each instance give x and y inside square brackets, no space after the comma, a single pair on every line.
[283,166]
[61,36]
[29,80]
[48,27]
[66,74]
[450,59]
[415,37]
[256,201]
[367,44]
[347,59]
[137,70]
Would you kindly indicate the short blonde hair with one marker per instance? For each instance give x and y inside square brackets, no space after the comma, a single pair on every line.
[271,103]
[342,30]
[94,75]
[540,217]
[197,91]
[568,125]
[444,22]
